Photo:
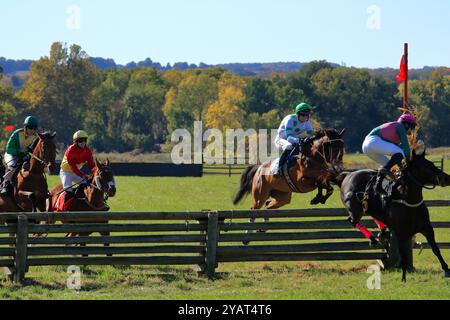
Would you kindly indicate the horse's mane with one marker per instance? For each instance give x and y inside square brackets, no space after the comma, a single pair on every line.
[45,135]
[330,133]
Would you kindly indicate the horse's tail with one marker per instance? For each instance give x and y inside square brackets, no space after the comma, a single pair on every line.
[246,183]
[340,178]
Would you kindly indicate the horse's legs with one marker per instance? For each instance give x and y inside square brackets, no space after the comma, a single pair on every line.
[259,198]
[328,194]
[355,214]
[279,199]
[429,234]
[319,196]
[404,244]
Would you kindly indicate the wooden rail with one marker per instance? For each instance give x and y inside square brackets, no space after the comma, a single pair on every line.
[183,238]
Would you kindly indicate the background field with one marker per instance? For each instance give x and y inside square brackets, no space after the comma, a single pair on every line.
[275,280]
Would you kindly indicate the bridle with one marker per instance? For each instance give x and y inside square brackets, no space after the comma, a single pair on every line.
[41,161]
[329,165]
[410,176]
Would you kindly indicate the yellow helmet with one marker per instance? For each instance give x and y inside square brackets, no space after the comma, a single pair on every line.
[80,135]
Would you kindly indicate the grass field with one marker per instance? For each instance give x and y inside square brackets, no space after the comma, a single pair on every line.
[275,280]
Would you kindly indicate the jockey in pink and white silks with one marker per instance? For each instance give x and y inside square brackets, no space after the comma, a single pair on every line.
[291,129]
[389,139]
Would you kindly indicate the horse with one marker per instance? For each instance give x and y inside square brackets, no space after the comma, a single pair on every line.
[315,168]
[319,163]
[31,190]
[92,198]
[404,211]
[34,179]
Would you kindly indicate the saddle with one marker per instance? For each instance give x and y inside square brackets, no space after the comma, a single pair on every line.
[372,199]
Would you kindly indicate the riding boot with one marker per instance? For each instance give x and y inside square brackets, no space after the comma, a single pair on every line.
[382,172]
[282,161]
[7,184]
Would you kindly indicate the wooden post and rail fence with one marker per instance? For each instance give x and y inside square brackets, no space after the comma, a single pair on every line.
[236,169]
[204,238]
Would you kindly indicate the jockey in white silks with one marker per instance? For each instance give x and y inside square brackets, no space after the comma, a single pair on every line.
[292,129]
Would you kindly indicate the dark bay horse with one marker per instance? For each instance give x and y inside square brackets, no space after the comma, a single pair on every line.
[31,190]
[405,211]
[92,198]
[315,168]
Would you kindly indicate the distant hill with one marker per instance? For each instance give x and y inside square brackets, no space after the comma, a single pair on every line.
[16,71]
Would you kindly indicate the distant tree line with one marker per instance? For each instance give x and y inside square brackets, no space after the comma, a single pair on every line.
[138,108]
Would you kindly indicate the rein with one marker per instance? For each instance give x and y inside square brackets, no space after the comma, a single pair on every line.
[328,165]
[420,184]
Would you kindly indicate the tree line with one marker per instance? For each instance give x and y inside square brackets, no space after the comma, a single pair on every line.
[127,109]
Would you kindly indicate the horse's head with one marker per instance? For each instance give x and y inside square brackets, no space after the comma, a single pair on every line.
[104,178]
[329,145]
[424,170]
[45,149]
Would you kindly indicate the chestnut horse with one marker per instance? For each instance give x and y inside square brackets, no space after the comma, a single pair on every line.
[92,198]
[316,167]
[31,190]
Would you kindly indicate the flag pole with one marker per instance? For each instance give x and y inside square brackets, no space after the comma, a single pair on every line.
[405,91]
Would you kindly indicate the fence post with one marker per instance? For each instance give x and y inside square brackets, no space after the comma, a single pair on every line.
[212,238]
[20,261]
[442,163]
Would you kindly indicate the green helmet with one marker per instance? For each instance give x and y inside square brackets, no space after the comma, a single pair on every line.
[303,107]
[80,135]
[31,121]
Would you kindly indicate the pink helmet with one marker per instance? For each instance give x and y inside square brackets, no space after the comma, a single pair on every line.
[406,117]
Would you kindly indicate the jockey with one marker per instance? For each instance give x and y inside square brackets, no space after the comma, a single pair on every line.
[17,152]
[389,139]
[291,128]
[76,156]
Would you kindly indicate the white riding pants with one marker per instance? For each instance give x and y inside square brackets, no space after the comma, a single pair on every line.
[68,179]
[376,148]
[283,144]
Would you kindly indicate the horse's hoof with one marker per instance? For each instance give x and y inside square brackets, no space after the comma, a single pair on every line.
[447,274]
[323,201]
[245,243]
[314,201]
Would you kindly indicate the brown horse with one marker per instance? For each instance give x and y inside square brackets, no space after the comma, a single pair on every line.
[316,167]
[34,179]
[92,198]
[32,189]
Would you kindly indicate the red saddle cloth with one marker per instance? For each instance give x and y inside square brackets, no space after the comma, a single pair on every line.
[59,205]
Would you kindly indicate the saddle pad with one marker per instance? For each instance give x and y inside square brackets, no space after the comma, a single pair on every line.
[58,204]
[274,166]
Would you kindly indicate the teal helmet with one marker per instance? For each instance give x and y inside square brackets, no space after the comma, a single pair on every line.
[303,107]
[31,122]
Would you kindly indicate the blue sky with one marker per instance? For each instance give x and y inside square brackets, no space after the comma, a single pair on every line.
[359,33]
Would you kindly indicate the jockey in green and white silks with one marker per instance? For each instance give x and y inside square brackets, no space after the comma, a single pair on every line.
[17,149]
[292,128]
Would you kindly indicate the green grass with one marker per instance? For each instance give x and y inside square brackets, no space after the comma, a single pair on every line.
[260,280]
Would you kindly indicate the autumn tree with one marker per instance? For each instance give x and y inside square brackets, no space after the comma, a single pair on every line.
[59,87]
